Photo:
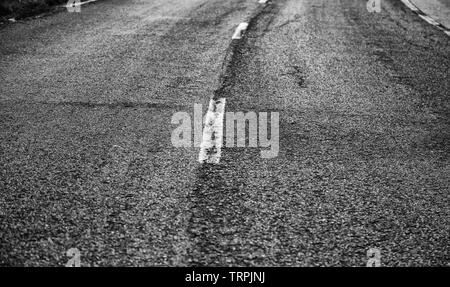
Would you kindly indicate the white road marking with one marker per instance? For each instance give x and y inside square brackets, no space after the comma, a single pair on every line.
[262,1]
[211,146]
[239,31]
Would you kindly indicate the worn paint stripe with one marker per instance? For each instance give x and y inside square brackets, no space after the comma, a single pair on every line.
[240,30]
[212,140]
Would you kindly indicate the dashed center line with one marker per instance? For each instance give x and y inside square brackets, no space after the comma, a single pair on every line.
[212,138]
[239,31]
[211,146]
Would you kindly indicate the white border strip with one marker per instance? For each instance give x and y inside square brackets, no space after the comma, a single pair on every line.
[429,20]
[425,17]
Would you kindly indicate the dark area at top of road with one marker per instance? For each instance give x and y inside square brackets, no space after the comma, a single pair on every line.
[26,8]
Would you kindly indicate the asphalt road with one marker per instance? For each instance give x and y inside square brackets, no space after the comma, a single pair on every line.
[86,159]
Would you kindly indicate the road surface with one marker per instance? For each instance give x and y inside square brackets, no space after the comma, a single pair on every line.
[87,162]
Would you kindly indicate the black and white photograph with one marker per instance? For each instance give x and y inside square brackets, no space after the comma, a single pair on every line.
[224,133]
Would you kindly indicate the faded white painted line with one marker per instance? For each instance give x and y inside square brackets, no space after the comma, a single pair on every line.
[425,17]
[239,31]
[212,140]
[79,3]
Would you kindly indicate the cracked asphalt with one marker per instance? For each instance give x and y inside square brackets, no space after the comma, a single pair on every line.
[86,159]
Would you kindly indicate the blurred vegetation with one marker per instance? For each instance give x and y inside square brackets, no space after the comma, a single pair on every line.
[26,8]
